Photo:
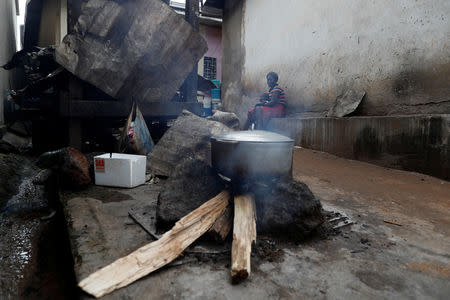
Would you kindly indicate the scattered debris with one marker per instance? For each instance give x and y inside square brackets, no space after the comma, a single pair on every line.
[136,138]
[267,249]
[346,103]
[209,249]
[155,255]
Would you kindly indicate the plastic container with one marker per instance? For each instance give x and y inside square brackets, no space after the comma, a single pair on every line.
[216,82]
[207,106]
[120,170]
[215,93]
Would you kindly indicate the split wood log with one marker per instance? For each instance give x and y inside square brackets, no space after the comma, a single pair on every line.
[244,234]
[155,255]
[222,227]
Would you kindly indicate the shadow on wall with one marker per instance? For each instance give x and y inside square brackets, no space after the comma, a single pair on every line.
[367,145]
[422,150]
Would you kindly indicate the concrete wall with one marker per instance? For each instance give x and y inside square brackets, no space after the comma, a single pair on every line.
[7,48]
[233,59]
[213,37]
[418,143]
[397,51]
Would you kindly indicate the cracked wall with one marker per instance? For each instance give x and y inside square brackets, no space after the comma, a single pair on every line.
[397,51]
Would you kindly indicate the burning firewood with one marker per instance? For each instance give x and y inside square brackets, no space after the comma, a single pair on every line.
[159,253]
[222,227]
[244,234]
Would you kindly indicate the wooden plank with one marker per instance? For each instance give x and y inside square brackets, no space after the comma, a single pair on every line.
[222,227]
[92,109]
[244,235]
[189,87]
[157,254]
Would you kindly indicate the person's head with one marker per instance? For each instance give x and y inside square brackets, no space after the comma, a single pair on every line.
[272,79]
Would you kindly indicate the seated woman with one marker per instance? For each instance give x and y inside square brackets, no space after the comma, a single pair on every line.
[273,104]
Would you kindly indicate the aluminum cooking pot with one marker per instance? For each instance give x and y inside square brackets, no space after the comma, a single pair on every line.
[252,154]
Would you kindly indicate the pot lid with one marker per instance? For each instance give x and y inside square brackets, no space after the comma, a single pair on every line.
[258,136]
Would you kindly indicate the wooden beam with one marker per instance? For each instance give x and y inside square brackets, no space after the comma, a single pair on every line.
[92,109]
[157,254]
[244,235]
[189,87]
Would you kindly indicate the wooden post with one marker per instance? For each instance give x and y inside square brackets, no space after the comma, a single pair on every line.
[244,234]
[190,85]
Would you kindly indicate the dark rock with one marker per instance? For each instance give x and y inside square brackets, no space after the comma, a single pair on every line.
[11,143]
[6,148]
[70,163]
[287,209]
[188,137]
[13,168]
[227,118]
[192,184]
[141,49]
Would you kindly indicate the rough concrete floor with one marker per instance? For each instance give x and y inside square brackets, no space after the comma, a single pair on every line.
[371,259]
[35,261]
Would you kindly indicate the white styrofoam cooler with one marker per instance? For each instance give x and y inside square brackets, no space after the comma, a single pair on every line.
[121,170]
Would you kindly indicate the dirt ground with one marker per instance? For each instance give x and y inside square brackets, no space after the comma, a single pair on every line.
[397,247]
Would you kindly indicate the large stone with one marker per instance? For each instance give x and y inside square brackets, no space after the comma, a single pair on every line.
[188,137]
[14,143]
[139,49]
[192,184]
[287,209]
[72,165]
[228,118]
